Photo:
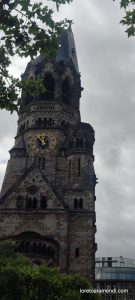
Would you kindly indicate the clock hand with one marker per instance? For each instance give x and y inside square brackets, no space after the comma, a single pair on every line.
[41,138]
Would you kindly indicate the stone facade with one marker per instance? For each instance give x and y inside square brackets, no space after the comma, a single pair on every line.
[48,194]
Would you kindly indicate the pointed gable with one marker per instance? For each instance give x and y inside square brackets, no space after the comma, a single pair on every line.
[32,192]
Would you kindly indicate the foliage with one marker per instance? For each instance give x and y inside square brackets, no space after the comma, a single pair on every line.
[27,29]
[9,257]
[129,18]
[20,280]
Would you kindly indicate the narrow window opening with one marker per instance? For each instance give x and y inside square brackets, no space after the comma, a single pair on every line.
[44,249]
[44,122]
[21,247]
[79,142]
[49,84]
[27,246]
[87,143]
[49,251]
[39,248]
[70,143]
[66,90]
[79,166]
[80,203]
[28,203]
[51,122]
[34,247]
[52,253]
[75,203]
[77,252]
[38,122]
[34,203]
[43,202]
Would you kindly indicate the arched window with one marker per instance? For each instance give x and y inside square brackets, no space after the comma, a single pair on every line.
[79,167]
[79,142]
[66,90]
[49,250]
[44,122]
[43,202]
[49,84]
[75,203]
[44,249]
[78,203]
[34,206]
[34,247]
[77,252]
[39,248]
[70,143]
[52,252]
[87,143]
[28,203]
[51,121]
[21,247]
[27,246]
[38,122]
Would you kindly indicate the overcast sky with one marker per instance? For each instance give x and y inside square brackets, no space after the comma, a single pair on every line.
[107,64]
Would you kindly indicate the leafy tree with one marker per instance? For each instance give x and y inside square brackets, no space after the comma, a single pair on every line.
[129,18]
[20,280]
[27,29]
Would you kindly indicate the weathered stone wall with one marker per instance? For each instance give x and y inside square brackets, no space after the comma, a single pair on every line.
[81,235]
[58,177]
[48,224]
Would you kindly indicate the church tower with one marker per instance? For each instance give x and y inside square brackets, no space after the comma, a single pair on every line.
[47,203]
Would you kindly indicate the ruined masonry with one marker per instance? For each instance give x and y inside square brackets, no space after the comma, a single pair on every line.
[47,203]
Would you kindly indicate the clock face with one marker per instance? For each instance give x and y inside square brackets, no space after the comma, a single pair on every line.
[41,142]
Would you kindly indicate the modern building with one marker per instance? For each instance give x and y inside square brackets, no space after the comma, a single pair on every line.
[48,194]
[115,276]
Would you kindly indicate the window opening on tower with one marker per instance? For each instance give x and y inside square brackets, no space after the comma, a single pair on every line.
[79,167]
[49,85]
[77,252]
[78,203]
[66,90]
[38,122]
[70,143]
[43,202]
[79,142]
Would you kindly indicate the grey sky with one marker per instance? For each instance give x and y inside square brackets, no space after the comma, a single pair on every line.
[107,65]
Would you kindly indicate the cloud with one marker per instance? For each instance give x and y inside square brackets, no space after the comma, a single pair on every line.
[106,61]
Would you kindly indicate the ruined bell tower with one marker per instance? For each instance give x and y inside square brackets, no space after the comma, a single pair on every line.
[47,203]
